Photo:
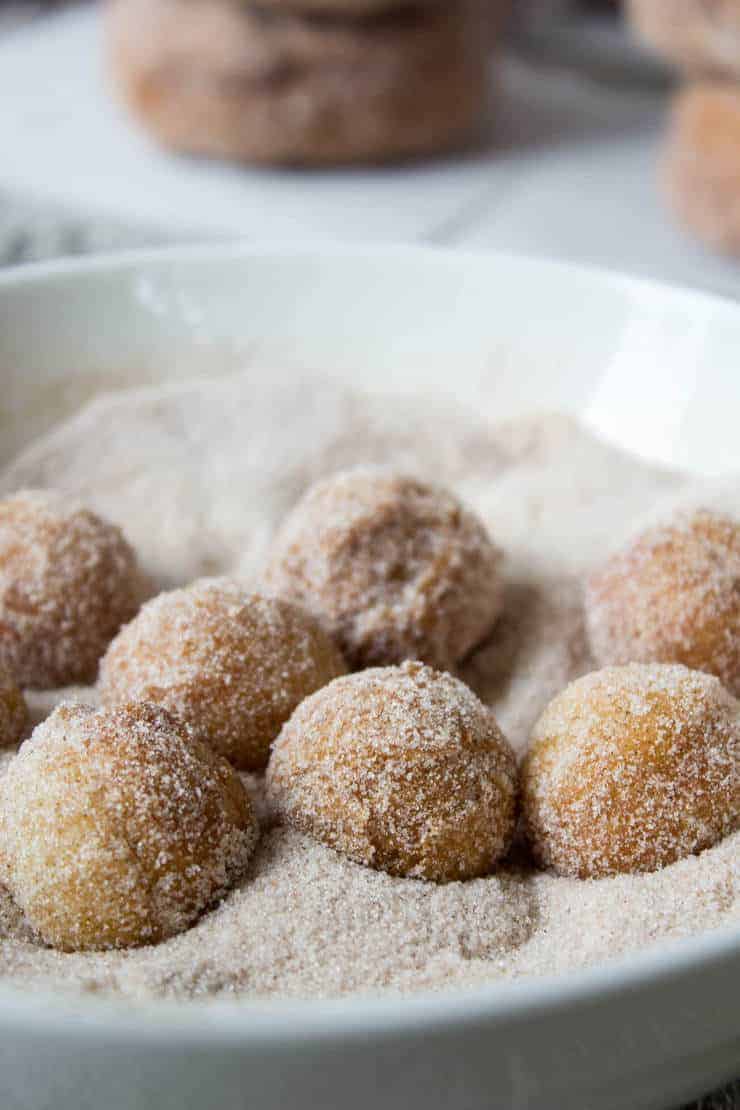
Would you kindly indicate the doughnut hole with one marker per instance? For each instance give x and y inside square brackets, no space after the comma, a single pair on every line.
[394,568]
[701,164]
[68,581]
[672,596]
[401,769]
[232,664]
[632,768]
[118,828]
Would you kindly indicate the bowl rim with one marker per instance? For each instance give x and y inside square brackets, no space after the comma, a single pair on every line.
[357,1016]
[206,252]
[302,1021]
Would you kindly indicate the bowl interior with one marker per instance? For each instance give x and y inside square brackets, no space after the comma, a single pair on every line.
[651,368]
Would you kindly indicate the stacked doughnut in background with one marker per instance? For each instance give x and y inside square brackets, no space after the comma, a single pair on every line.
[702,161]
[304,82]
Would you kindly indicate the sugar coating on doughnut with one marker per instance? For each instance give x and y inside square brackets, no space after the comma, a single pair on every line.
[393,567]
[68,581]
[119,828]
[632,768]
[230,663]
[672,595]
[400,768]
[13,711]
[701,165]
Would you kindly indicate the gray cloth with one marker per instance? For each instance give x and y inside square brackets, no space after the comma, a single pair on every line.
[31,231]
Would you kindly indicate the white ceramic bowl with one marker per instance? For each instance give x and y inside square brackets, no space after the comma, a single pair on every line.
[655,369]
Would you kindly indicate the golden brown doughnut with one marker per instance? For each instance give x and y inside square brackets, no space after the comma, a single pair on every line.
[254,84]
[68,581]
[232,664]
[394,568]
[401,769]
[672,595]
[632,768]
[701,170]
[118,828]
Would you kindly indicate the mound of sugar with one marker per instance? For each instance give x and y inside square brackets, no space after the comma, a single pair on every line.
[199,476]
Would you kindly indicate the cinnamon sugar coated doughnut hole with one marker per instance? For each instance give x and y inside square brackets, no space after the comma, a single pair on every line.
[632,768]
[272,84]
[402,769]
[68,581]
[13,711]
[700,36]
[232,664]
[394,568]
[672,596]
[701,166]
[118,828]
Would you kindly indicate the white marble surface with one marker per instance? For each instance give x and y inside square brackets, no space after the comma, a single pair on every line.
[566,168]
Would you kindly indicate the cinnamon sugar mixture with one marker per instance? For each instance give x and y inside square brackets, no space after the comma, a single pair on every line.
[199,477]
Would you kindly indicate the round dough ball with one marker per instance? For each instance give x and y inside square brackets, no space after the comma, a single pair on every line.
[118,828]
[68,581]
[233,665]
[700,37]
[701,169]
[672,596]
[401,769]
[632,768]
[394,568]
[13,711]
[244,82]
